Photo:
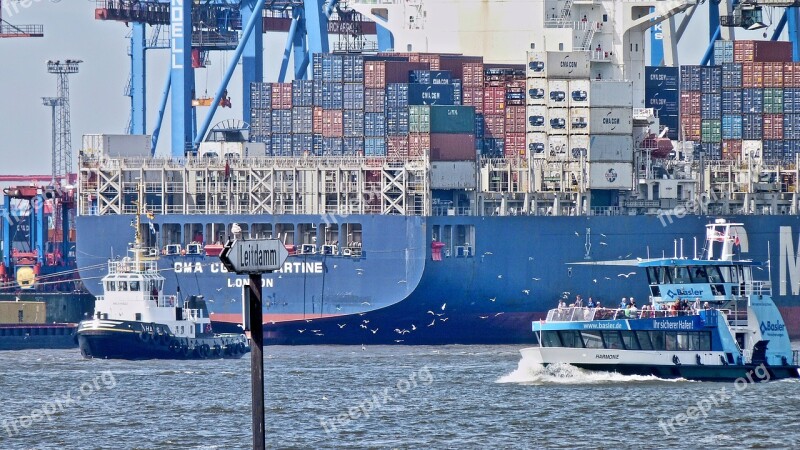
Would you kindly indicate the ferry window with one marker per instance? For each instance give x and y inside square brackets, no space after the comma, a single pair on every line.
[683,341]
[612,339]
[657,339]
[217,232]
[571,339]
[694,341]
[463,241]
[285,232]
[671,341]
[193,233]
[592,339]
[550,339]
[331,234]
[644,340]
[308,233]
[651,275]
[447,238]
[629,338]
[261,230]
[680,275]
[111,286]
[699,274]
[705,341]
[171,234]
[138,316]
[714,275]
[123,285]
[134,285]
[352,231]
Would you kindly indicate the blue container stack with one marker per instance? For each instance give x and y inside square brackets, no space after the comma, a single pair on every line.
[260,112]
[661,94]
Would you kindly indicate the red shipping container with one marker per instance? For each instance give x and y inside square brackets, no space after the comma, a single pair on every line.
[494,126]
[773,75]
[773,126]
[430,58]
[397,146]
[794,68]
[452,147]
[473,74]
[377,74]
[753,75]
[515,119]
[457,65]
[494,100]
[690,127]
[690,103]
[514,145]
[316,123]
[281,95]
[419,144]
[731,149]
[473,96]
[762,51]
[332,123]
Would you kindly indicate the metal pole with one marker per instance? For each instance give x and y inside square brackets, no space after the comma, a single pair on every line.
[53,140]
[257,361]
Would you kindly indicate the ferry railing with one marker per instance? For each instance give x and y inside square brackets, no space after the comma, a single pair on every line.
[192,314]
[758,288]
[586,314]
[167,301]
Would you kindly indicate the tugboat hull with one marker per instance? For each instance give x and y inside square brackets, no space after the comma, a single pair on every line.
[111,339]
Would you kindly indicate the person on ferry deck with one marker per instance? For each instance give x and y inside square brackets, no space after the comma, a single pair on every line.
[578,301]
[591,303]
[696,305]
[623,303]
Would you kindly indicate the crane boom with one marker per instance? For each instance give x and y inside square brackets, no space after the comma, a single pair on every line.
[748,13]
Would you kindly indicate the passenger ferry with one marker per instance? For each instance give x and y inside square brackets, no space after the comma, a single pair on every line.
[731,330]
[135,320]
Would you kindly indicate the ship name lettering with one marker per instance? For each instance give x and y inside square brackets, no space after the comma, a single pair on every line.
[176,21]
[788,262]
[569,64]
[242,282]
[610,120]
[605,356]
[188,267]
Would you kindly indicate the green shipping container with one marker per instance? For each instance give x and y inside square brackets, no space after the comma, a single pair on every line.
[452,119]
[419,119]
[711,131]
[773,101]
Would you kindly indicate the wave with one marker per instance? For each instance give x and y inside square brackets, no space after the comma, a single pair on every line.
[529,372]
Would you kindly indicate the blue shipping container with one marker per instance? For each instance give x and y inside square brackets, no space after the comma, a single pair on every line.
[353,69]
[711,79]
[302,144]
[493,148]
[752,101]
[353,123]
[752,127]
[665,101]
[302,93]
[374,125]
[657,77]
[710,106]
[791,126]
[375,147]
[332,146]
[316,145]
[282,121]
[302,120]
[690,78]
[731,127]
[791,148]
[397,95]
[430,94]
[333,67]
[397,122]
[772,150]
[353,146]
[713,150]
[429,76]
[353,96]
[374,100]
[332,96]
[791,100]
[281,144]
[317,89]
[732,75]
[723,52]
[480,122]
[457,95]
[731,101]
[316,68]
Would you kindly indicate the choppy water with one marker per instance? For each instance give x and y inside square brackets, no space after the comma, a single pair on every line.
[414,397]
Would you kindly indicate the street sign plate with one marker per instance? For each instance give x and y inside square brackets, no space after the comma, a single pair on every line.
[253,256]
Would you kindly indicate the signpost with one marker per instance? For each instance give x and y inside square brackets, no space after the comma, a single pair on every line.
[253,258]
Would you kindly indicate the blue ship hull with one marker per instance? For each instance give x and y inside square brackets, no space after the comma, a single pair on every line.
[514,270]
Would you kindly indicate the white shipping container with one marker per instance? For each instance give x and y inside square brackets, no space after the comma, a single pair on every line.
[611,93]
[557,93]
[536,91]
[557,121]
[566,65]
[579,93]
[536,119]
[610,147]
[117,145]
[611,121]
[579,120]
[605,175]
[579,147]
[453,175]
[557,147]
[536,144]
[752,150]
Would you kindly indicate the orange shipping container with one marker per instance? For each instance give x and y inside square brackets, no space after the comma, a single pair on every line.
[397,147]
[731,149]
[419,144]
[332,123]
[690,127]
[753,75]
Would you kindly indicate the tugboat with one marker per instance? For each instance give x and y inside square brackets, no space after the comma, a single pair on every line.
[708,319]
[135,320]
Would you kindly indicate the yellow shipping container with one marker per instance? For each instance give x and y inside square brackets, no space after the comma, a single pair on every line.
[22,312]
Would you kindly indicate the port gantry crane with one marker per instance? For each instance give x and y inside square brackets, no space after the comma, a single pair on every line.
[197,27]
[7,30]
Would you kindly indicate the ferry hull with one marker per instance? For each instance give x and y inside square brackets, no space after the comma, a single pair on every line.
[517,269]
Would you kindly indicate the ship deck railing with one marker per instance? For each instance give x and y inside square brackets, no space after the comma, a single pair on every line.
[586,314]
[192,314]
[128,265]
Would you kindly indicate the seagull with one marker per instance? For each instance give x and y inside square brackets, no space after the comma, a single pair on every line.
[530,258]
[606,278]
[445,319]
[483,317]
[363,347]
[315,331]
[498,314]
[308,320]
[488,253]
[397,330]
[398,340]
[240,326]
[341,325]
[628,255]
[493,299]
[300,331]
[219,289]
[526,291]
[365,303]
[603,243]
[413,327]
[374,331]
[335,266]
[431,313]
[338,308]
[361,314]
[577,234]
[324,398]
[595,280]
[366,321]
[401,281]
[444,305]
[500,276]
[211,300]
[432,323]
[363,326]
[536,279]
[319,334]
[626,275]
[439,315]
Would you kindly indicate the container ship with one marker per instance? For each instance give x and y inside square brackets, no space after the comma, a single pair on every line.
[432,197]
[42,299]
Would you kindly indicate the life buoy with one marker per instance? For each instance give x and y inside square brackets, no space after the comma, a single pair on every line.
[145,337]
[240,347]
[217,350]
[185,351]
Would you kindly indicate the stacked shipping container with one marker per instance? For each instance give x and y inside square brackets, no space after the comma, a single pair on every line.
[753,107]
[661,94]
